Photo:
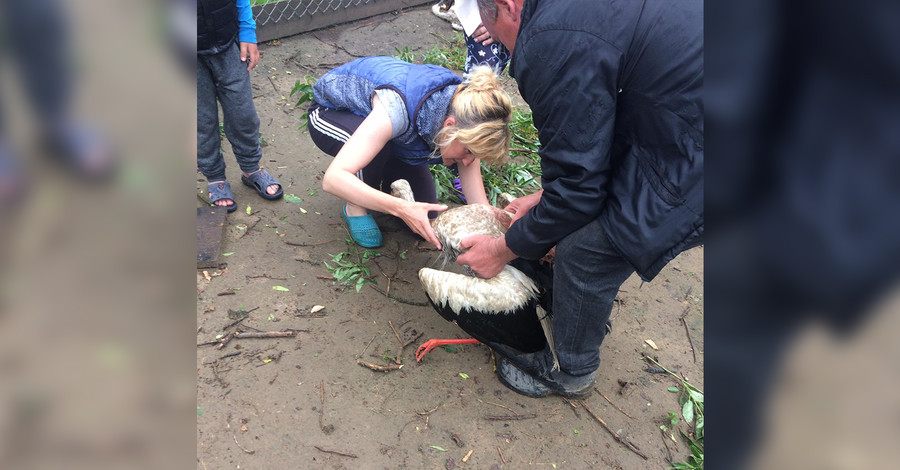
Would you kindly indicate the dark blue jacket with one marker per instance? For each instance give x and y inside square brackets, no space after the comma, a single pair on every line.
[352,85]
[615,88]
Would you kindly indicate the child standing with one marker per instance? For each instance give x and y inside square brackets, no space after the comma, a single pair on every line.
[226,52]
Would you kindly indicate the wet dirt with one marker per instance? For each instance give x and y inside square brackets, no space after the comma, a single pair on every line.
[305,402]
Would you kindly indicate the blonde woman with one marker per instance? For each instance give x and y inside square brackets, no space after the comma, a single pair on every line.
[384,119]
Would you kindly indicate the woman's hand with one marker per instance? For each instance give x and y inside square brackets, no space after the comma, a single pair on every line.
[415,216]
[482,35]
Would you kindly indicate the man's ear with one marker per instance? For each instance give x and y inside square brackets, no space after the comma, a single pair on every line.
[507,7]
[450,121]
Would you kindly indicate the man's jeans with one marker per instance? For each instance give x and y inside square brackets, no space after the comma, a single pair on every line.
[224,77]
[587,274]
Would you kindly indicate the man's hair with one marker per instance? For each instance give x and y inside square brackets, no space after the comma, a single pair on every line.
[488,9]
[482,111]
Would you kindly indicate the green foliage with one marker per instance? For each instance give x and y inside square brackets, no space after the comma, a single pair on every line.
[691,401]
[350,266]
[405,55]
[305,92]
[452,57]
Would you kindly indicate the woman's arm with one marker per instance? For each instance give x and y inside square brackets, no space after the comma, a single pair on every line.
[472,183]
[360,149]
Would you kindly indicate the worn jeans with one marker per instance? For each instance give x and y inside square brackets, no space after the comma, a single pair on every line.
[587,274]
[224,78]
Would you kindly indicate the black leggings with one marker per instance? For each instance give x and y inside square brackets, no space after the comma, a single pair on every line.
[330,128]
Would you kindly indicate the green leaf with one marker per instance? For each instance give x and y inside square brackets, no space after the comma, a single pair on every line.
[696,395]
[228,254]
[280,288]
[199,411]
[672,389]
[577,431]
[249,211]
[292,198]
[688,411]
[439,448]
[464,375]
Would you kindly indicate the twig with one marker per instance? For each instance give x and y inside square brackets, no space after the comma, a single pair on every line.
[245,232]
[613,404]
[666,445]
[426,413]
[268,334]
[309,244]
[335,452]
[322,392]
[574,407]
[618,438]
[273,85]
[398,299]
[511,418]
[251,452]
[204,199]
[686,330]
[266,276]
[396,335]
[501,406]
[378,368]
[367,347]
[228,292]
[502,460]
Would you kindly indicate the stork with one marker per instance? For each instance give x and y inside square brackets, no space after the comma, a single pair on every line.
[509,308]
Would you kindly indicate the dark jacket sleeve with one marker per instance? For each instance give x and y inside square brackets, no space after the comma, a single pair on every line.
[570,81]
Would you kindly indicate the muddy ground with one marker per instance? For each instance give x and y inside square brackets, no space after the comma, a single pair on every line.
[304,402]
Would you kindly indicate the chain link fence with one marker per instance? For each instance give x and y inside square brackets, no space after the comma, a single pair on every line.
[288,17]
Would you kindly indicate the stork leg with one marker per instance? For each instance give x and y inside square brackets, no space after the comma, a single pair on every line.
[429,345]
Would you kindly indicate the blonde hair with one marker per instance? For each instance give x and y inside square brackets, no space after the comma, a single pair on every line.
[482,111]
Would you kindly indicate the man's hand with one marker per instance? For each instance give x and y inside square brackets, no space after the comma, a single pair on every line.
[485,255]
[520,206]
[249,54]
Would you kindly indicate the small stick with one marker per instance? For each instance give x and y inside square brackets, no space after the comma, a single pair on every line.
[228,292]
[615,436]
[327,278]
[400,351]
[426,413]
[501,406]
[334,452]
[245,232]
[378,368]
[367,347]
[613,404]
[398,299]
[466,458]
[574,407]
[266,276]
[268,334]
[322,392]
[511,418]
[238,353]
[273,85]
[309,244]
[686,330]
[251,452]
[503,460]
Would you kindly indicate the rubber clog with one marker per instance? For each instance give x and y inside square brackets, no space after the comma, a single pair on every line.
[363,229]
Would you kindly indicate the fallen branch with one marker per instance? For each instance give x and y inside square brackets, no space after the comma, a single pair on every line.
[268,334]
[511,418]
[379,368]
[335,452]
[613,404]
[308,244]
[686,330]
[622,440]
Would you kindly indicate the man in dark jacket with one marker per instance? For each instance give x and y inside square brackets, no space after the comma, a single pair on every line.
[615,91]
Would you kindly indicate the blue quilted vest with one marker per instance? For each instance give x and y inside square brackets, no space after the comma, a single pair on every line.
[352,85]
